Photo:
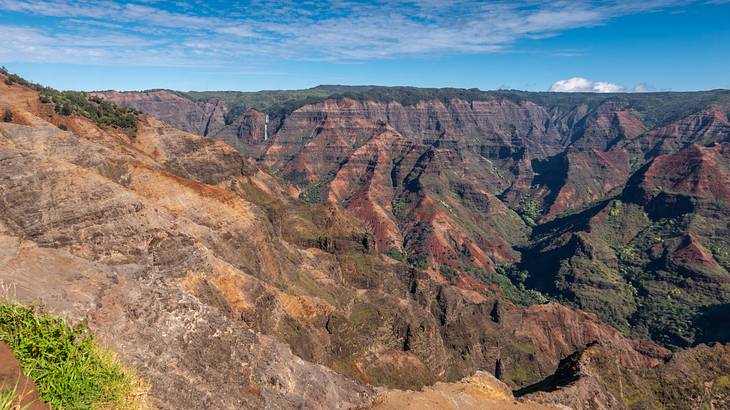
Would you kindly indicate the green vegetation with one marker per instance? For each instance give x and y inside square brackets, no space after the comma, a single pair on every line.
[70,370]
[517,276]
[629,269]
[418,261]
[722,384]
[313,193]
[363,315]
[530,211]
[615,211]
[396,254]
[721,253]
[103,113]
[398,206]
[627,254]
[515,293]
[448,272]
[656,109]
[268,100]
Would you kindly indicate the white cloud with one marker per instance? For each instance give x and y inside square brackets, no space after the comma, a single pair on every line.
[584,85]
[331,30]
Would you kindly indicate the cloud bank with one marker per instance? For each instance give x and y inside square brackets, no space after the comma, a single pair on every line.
[584,85]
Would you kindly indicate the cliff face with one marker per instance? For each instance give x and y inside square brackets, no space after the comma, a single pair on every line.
[204,118]
[101,228]
[200,269]
[590,379]
[565,194]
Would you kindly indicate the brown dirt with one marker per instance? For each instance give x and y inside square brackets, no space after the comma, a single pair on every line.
[481,391]
[12,377]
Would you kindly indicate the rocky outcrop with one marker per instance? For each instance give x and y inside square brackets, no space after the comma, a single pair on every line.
[480,391]
[592,379]
[697,171]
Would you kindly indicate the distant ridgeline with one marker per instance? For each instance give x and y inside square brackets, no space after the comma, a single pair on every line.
[657,108]
[104,113]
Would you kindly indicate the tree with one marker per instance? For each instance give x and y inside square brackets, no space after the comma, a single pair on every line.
[8,117]
[496,313]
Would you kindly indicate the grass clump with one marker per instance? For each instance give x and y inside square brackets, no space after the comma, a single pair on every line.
[66,364]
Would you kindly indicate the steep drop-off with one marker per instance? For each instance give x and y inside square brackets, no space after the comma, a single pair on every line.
[614,203]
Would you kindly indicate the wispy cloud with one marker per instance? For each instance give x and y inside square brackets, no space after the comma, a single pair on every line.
[164,32]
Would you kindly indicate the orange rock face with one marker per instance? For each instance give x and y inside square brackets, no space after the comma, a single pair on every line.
[699,171]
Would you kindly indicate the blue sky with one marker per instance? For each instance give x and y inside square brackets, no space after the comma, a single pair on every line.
[600,45]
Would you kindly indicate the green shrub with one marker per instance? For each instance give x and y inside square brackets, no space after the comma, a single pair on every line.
[615,211]
[102,112]
[396,254]
[503,277]
[70,370]
[530,211]
[312,194]
[419,262]
[627,254]
[397,206]
[449,273]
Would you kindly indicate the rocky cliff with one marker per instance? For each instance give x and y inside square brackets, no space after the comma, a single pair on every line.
[388,266]
[566,194]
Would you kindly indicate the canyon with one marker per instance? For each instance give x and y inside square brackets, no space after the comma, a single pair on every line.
[607,202]
[367,247]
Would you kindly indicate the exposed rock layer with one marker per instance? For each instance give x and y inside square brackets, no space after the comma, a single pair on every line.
[456,182]
[203,272]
